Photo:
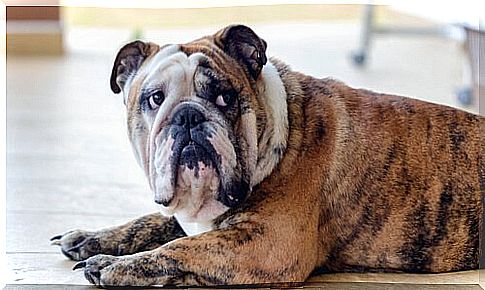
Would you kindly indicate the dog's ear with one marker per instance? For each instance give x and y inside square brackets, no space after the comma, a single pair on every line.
[241,43]
[128,61]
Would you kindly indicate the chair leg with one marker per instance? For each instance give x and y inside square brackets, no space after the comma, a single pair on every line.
[360,55]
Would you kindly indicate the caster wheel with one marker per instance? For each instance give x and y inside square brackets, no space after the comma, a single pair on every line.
[465,96]
[358,58]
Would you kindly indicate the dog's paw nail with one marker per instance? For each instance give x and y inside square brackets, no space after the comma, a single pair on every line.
[58,237]
[79,265]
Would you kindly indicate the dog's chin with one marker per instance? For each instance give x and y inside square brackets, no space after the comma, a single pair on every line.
[196,188]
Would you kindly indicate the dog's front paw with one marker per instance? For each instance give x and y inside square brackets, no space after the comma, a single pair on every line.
[94,266]
[78,245]
[107,270]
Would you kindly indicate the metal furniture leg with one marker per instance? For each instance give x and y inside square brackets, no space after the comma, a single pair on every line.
[359,56]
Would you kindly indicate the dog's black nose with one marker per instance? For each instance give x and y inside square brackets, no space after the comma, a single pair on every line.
[188,117]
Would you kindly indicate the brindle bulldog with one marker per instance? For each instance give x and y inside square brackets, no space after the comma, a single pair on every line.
[264,174]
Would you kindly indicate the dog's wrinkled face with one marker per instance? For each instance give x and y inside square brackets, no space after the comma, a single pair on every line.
[192,114]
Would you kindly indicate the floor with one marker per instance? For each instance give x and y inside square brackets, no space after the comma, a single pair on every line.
[69,164]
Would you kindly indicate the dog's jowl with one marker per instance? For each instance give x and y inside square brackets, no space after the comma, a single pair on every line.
[264,175]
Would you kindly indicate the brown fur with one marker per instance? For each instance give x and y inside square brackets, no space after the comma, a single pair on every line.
[368,182]
[397,179]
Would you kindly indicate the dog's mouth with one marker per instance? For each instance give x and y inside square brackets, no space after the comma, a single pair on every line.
[195,158]
[187,173]
[196,184]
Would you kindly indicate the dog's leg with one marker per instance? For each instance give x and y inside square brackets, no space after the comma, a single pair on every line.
[142,234]
[237,255]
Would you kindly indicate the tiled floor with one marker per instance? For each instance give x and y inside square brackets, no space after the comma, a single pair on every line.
[69,164]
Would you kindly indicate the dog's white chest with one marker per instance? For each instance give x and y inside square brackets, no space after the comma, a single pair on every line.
[192,229]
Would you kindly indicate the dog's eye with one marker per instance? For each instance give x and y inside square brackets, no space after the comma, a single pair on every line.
[224,100]
[155,100]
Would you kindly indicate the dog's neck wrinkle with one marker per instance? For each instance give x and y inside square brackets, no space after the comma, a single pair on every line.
[273,140]
[296,111]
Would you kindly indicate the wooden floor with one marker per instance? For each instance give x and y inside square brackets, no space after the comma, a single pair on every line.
[69,164]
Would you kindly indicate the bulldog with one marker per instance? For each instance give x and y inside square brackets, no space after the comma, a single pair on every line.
[266,175]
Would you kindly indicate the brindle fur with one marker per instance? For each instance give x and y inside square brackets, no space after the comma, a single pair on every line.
[142,234]
[367,182]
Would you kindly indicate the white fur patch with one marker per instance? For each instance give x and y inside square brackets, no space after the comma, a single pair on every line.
[194,200]
[149,67]
[160,180]
[192,229]
[272,92]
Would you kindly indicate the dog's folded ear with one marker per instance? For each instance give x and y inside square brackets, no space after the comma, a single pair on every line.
[128,61]
[241,43]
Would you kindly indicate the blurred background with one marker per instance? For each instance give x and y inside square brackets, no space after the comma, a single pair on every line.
[413,48]
[69,163]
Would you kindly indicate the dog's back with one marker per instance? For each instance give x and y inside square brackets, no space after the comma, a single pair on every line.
[402,189]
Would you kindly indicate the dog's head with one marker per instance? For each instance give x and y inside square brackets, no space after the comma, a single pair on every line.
[207,119]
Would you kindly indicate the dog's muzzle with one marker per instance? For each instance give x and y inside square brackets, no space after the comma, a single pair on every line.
[192,159]
[193,146]
[188,120]
[196,162]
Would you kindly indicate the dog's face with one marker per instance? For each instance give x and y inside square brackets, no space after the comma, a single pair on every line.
[195,115]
